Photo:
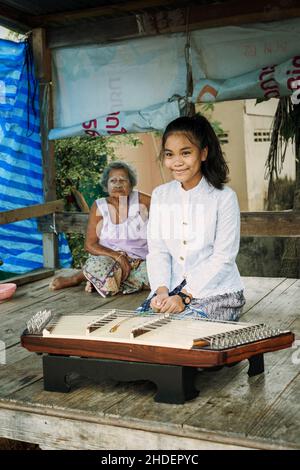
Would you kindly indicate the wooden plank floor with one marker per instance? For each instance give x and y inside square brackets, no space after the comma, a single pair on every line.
[232,410]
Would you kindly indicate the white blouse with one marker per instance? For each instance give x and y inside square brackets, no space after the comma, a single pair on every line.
[195,235]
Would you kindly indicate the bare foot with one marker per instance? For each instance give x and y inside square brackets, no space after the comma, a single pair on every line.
[70,281]
[89,287]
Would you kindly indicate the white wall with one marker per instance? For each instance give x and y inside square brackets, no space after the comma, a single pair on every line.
[247,157]
[258,120]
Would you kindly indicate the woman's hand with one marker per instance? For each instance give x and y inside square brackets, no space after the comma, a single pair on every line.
[163,303]
[123,261]
[158,301]
[173,304]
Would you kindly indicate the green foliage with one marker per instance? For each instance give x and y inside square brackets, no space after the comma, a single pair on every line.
[80,162]
[76,244]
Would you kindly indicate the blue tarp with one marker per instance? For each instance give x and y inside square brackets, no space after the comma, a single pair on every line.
[21,160]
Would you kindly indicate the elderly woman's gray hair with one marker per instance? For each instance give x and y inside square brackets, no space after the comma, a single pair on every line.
[118,166]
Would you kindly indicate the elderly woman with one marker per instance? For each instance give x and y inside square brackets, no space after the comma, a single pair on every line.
[116,237]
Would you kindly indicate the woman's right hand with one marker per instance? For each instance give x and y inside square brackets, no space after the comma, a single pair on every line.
[158,301]
[125,265]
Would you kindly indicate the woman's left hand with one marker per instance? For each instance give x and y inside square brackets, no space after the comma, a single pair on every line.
[173,304]
[125,266]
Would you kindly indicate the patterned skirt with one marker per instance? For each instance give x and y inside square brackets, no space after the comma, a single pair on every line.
[224,307]
[105,274]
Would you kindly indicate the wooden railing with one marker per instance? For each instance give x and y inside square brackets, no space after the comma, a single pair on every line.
[258,224]
[37,210]
[270,224]
[51,220]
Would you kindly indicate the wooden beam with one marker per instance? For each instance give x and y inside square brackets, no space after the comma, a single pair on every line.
[160,21]
[270,224]
[228,12]
[42,58]
[239,13]
[104,30]
[68,222]
[15,19]
[103,11]
[253,224]
[98,31]
[28,212]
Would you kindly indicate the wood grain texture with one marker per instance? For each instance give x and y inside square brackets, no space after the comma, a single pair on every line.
[28,212]
[153,354]
[231,411]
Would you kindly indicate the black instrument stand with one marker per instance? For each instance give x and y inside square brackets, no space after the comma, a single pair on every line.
[175,384]
[256,365]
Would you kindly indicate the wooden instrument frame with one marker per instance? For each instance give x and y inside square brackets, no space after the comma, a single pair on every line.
[194,357]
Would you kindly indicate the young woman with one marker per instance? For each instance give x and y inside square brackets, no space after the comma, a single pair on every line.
[116,237]
[194,228]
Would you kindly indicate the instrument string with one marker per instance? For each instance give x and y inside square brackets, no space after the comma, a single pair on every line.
[154,321]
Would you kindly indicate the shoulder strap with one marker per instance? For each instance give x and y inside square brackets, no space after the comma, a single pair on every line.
[102,206]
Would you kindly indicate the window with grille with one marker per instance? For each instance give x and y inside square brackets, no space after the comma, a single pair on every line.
[224,138]
[262,135]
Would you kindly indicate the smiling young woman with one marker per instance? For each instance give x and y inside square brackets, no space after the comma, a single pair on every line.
[194,228]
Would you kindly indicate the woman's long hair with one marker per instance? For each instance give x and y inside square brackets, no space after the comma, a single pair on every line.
[200,133]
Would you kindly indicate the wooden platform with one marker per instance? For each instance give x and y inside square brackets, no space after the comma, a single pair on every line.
[232,411]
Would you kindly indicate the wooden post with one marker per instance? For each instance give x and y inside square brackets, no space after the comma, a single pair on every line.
[42,60]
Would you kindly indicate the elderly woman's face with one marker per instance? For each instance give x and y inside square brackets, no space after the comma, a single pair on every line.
[118,183]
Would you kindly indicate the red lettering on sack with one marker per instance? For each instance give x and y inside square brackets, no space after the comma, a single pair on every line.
[116,122]
[90,124]
[112,118]
[291,81]
[122,131]
[272,93]
[296,61]
[266,71]
[90,128]
[268,83]
[92,133]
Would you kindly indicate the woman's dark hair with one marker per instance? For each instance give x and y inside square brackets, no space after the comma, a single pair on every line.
[200,132]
